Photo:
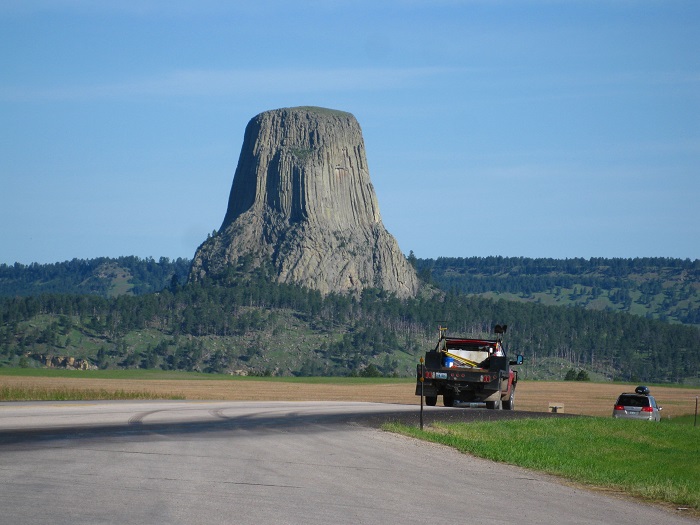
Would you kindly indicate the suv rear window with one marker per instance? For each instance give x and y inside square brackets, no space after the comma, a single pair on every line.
[633,401]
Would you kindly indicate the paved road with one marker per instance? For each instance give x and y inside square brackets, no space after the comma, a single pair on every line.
[265,463]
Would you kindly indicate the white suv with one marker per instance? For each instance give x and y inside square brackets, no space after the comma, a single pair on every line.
[639,405]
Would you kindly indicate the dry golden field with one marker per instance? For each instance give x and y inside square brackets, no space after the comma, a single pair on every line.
[582,398]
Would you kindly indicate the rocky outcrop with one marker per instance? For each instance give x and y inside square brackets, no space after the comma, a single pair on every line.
[302,200]
[59,361]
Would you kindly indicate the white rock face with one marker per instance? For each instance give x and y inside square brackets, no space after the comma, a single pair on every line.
[303,201]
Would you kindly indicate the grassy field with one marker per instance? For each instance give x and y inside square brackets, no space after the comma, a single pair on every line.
[141,375]
[41,384]
[656,462]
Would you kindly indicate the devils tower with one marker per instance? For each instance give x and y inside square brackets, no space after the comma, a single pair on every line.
[302,201]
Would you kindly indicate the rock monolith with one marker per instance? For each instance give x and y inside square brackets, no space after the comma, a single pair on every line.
[302,201]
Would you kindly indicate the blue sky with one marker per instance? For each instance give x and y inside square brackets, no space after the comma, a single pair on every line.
[545,128]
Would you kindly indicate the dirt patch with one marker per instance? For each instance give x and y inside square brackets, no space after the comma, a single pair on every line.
[593,399]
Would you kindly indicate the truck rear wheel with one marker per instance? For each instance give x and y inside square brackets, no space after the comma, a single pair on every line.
[448,401]
[431,401]
[510,403]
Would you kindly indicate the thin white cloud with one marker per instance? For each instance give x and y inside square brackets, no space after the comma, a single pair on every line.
[200,82]
[140,8]
[125,7]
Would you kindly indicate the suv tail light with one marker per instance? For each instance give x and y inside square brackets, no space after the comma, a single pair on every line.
[647,409]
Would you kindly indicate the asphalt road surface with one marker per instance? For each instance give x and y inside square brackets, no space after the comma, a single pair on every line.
[268,463]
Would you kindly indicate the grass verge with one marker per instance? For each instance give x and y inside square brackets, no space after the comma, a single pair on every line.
[23,393]
[143,375]
[658,462]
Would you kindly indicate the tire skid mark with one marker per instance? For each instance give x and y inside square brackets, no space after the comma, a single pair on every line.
[219,412]
[137,419]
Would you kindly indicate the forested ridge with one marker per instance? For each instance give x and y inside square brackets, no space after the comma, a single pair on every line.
[102,276]
[244,323]
[657,288]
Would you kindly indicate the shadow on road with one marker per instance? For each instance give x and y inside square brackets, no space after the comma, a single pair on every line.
[136,428]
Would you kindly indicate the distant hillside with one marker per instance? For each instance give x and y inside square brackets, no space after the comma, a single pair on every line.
[656,288]
[103,276]
[104,313]
[246,324]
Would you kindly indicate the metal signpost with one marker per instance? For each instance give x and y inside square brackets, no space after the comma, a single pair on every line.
[422,375]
